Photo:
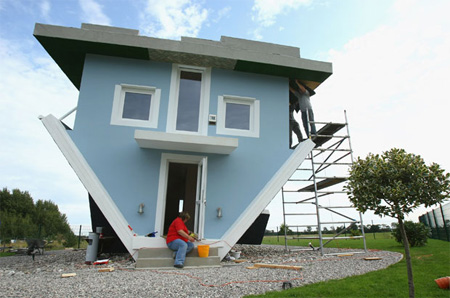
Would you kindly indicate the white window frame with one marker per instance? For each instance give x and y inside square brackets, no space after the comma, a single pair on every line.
[119,100]
[204,98]
[254,104]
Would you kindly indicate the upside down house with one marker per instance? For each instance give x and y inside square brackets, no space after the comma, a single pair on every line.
[168,125]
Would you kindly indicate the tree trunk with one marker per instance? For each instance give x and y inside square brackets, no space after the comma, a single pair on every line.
[408,258]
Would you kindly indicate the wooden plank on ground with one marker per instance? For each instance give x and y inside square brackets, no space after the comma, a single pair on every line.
[275,266]
[109,269]
[64,275]
[240,261]
[372,258]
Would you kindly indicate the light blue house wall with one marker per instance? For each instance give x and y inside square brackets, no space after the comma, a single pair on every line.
[131,174]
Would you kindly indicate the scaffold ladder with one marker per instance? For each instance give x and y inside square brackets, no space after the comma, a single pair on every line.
[312,197]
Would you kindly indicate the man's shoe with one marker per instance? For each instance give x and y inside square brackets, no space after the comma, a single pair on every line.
[178,266]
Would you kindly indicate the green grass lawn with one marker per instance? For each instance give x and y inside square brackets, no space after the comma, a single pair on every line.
[429,262]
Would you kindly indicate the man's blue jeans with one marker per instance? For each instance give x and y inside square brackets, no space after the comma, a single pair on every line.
[308,115]
[181,248]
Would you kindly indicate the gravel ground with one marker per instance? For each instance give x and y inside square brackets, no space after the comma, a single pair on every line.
[20,276]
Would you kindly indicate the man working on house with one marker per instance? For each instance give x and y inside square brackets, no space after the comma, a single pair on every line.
[293,124]
[179,240]
[303,94]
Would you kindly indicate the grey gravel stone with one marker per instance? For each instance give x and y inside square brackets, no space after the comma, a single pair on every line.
[20,276]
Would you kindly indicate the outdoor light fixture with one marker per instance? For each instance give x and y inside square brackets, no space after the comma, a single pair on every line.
[141,208]
[219,212]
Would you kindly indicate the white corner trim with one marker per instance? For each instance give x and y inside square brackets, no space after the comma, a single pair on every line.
[173,100]
[90,180]
[265,196]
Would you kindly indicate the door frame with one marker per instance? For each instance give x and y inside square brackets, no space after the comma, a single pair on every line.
[199,215]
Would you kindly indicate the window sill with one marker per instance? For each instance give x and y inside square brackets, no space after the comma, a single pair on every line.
[184,142]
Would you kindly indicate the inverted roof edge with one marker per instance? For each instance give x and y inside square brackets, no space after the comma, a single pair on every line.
[228,48]
[111,29]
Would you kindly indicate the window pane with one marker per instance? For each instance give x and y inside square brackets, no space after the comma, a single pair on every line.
[136,106]
[189,101]
[237,116]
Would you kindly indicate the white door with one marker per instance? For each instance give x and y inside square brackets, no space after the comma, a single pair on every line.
[201,198]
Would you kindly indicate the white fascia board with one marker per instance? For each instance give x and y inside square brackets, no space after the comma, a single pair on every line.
[185,142]
[90,181]
[265,196]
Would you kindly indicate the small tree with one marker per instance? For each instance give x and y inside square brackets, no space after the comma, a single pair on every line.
[284,227]
[374,229]
[394,184]
[416,232]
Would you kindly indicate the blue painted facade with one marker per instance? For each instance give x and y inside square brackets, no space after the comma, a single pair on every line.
[130,174]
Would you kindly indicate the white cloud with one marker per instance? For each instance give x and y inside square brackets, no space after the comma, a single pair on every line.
[222,13]
[266,11]
[45,8]
[93,13]
[257,34]
[172,19]
[393,82]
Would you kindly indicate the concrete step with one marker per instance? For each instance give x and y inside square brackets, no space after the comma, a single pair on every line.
[167,253]
[168,262]
[163,258]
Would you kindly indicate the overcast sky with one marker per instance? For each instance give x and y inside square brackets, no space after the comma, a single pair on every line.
[390,72]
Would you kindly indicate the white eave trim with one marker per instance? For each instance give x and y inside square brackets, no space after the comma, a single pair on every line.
[184,142]
[90,181]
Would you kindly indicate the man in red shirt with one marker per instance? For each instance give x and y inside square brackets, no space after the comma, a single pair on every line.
[178,239]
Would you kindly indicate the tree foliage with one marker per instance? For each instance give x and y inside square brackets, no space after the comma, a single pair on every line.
[22,218]
[283,227]
[394,184]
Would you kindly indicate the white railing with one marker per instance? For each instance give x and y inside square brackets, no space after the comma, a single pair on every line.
[67,114]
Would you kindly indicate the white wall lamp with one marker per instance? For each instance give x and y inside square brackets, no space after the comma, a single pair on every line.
[141,208]
[219,212]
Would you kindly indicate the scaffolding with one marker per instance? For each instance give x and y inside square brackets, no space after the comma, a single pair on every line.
[314,195]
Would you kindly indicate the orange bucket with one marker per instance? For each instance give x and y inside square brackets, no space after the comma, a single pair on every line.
[203,251]
[443,282]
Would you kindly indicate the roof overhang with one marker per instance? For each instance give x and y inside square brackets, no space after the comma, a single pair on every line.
[69,46]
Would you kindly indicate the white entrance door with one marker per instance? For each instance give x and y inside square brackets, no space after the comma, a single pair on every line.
[173,192]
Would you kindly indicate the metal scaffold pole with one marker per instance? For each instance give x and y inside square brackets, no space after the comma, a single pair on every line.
[316,199]
[284,219]
[351,154]
[331,155]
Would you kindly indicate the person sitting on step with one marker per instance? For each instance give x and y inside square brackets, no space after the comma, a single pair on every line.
[179,240]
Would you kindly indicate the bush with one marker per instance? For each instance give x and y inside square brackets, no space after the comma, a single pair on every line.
[417,233]
[355,233]
[70,240]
